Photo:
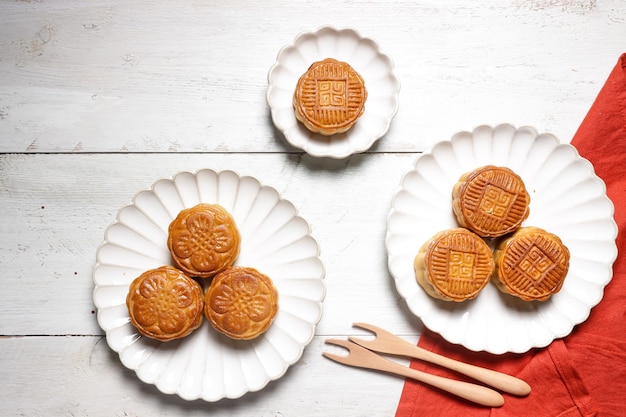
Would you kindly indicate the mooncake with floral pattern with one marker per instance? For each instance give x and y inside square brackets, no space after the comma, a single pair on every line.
[241,303]
[203,240]
[165,304]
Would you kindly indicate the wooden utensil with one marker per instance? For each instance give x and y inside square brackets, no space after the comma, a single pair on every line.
[386,342]
[364,358]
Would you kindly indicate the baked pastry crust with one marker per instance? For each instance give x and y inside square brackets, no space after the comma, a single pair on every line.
[165,304]
[490,201]
[531,264]
[203,240]
[241,303]
[454,265]
[330,96]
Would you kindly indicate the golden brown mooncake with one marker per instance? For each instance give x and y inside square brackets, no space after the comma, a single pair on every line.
[329,98]
[165,304]
[241,303]
[203,240]
[490,201]
[531,264]
[454,265]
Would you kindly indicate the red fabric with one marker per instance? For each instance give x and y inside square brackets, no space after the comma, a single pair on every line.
[583,374]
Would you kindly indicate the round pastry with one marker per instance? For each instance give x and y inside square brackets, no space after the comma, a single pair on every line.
[203,240]
[165,304]
[531,264]
[330,97]
[454,265]
[241,303]
[490,201]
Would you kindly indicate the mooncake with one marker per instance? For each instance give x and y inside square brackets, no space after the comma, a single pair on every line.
[531,264]
[241,303]
[454,265]
[329,97]
[203,240]
[165,304]
[490,201]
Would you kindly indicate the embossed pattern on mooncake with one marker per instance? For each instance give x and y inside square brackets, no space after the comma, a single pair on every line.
[531,264]
[455,265]
[329,97]
[491,201]
[203,240]
[241,303]
[165,304]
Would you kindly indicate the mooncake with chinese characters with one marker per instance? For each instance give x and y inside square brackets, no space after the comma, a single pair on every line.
[490,201]
[454,265]
[329,97]
[531,264]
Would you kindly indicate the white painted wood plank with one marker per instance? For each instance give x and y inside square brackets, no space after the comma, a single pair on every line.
[144,76]
[81,376]
[84,78]
[56,208]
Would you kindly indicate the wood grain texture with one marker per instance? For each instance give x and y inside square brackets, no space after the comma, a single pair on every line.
[81,376]
[98,100]
[119,77]
[58,207]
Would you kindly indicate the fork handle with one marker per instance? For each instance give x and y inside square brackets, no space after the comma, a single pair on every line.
[499,380]
[471,392]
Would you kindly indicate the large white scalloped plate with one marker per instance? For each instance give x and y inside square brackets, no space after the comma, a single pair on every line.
[364,55]
[567,199]
[274,240]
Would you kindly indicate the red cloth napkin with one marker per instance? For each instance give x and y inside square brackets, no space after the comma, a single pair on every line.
[583,374]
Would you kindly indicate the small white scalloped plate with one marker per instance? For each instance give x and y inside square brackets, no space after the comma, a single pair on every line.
[567,199]
[364,55]
[274,240]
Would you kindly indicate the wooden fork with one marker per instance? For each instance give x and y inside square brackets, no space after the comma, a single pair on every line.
[386,342]
[364,358]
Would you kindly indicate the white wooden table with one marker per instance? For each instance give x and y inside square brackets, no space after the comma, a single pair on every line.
[100,99]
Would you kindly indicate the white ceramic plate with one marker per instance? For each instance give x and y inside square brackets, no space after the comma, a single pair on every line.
[567,199]
[365,57]
[274,240]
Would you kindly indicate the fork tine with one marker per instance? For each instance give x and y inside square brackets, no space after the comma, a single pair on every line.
[357,355]
[339,342]
[344,359]
[336,358]
[366,326]
[369,344]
